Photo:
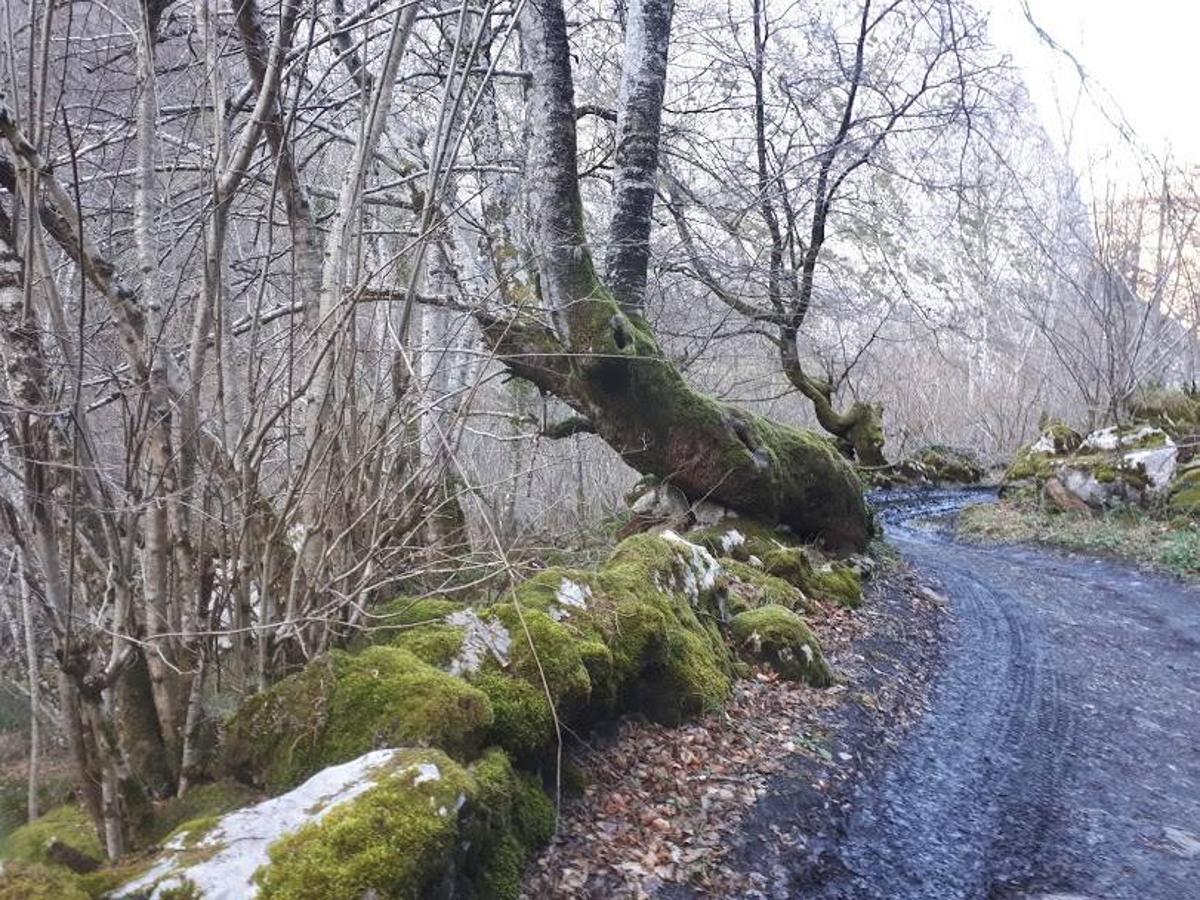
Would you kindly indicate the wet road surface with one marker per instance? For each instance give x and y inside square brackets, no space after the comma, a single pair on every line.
[1060,757]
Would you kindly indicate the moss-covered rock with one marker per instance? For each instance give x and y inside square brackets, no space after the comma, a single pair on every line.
[418,625]
[777,636]
[663,603]
[68,824]
[1118,465]
[751,587]
[1175,410]
[1059,438]
[781,556]
[204,802]
[34,881]
[1183,498]
[742,539]
[430,828]
[1038,461]
[836,582]
[343,705]
[941,464]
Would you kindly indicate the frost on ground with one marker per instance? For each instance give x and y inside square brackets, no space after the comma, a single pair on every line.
[237,845]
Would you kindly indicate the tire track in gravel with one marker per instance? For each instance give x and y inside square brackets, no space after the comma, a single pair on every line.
[1061,753]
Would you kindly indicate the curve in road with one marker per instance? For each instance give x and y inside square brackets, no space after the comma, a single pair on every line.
[1061,753]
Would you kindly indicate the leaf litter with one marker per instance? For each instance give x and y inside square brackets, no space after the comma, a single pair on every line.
[678,810]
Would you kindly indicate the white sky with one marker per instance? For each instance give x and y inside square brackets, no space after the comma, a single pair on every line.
[1142,56]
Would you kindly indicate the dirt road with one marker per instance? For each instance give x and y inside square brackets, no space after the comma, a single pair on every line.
[1060,756]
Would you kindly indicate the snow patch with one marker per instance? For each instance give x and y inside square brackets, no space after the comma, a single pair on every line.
[237,846]
[479,639]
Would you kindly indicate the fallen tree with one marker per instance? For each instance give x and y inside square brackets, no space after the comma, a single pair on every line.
[601,357]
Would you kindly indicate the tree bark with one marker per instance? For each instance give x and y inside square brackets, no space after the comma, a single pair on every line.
[858,430]
[639,121]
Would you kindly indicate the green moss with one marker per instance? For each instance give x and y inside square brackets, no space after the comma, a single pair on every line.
[342,706]
[756,539]
[466,832]
[941,464]
[835,583]
[750,587]
[417,624]
[1027,464]
[685,678]
[53,790]
[68,824]
[542,647]
[508,803]
[506,865]
[34,881]
[792,564]
[524,721]
[1108,468]
[779,637]
[185,891]
[107,879]
[668,654]
[1066,439]
[1183,498]
[204,802]
[395,840]
[1040,467]
[1147,441]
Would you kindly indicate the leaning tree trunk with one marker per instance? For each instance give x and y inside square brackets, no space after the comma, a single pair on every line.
[606,363]
[858,431]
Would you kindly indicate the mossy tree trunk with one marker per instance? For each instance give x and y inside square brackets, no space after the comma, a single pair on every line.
[605,362]
[858,430]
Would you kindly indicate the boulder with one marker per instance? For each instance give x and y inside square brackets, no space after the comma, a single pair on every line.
[780,638]
[392,823]
[778,554]
[1131,437]
[1060,498]
[940,464]
[1036,462]
[1183,496]
[345,704]
[1115,465]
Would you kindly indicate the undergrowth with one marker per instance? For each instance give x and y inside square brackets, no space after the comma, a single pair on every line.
[1125,534]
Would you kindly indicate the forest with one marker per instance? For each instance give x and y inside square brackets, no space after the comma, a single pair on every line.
[397,392]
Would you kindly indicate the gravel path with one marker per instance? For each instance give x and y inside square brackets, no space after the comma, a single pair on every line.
[1060,756]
